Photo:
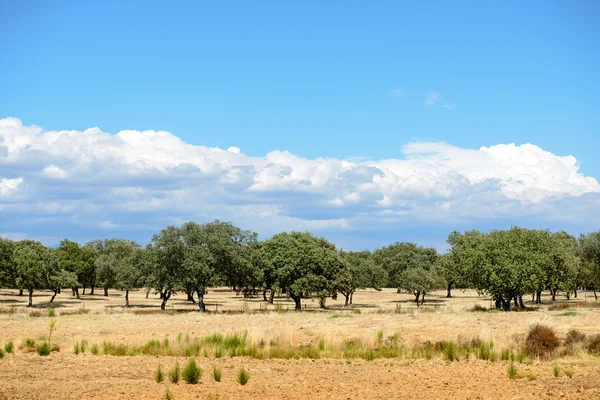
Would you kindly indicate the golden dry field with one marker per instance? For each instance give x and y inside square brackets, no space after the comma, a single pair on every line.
[320,354]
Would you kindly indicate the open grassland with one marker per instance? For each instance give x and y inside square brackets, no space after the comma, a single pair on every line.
[381,347]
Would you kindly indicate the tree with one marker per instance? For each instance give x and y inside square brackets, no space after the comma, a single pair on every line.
[34,264]
[168,255]
[589,251]
[8,271]
[362,273]
[130,272]
[71,259]
[304,265]
[420,281]
[399,257]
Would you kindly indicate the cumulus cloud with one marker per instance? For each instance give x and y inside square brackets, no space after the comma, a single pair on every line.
[145,180]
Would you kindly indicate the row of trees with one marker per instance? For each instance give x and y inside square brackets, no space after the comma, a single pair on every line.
[191,258]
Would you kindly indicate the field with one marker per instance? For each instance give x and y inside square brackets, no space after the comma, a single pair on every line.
[344,368]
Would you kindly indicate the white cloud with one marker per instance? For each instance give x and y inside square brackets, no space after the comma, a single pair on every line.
[143,180]
[399,93]
[52,171]
[431,98]
[9,186]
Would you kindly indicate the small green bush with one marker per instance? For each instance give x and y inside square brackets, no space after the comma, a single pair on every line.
[51,313]
[95,351]
[43,349]
[9,347]
[159,375]
[217,373]
[29,342]
[243,376]
[555,371]
[512,371]
[169,395]
[192,372]
[1,353]
[174,373]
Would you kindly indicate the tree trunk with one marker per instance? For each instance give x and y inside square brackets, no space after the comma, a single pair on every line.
[201,305]
[54,295]
[521,303]
[20,292]
[83,290]
[575,292]
[73,291]
[417,297]
[423,298]
[147,292]
[568,295]
[165,298]
[77,293]
[265,295]
[449,295]
[92,292]
[30,298]
[538,297]
[351,297]
[595,294]
[553,292]
[322,301]
[347,296]
[106,291]
[298,301]
[506,305]
[190,296]
[127,298]
[271,296]
[498,304]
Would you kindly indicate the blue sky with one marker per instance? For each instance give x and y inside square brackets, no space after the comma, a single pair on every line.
[345,80]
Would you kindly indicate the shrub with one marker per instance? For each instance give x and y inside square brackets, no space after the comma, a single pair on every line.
[159,375]
[43,349]
[169,395]
[29,342]
[95,351]
[9,347]
[555,371]
[217,373]
[512,371]
[192,372]
[593,344]
[541,341]
[574,336]
[478,308]
[243,376]
[174,373]
[1,353]
[51,313]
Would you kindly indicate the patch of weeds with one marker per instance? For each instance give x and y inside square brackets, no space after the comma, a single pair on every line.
[568,372]
[450,351]
[174,373]
[574,336]
[169,395]
[341,315]
[94,350]
[570,313]
[356,311]
[513,373]
[1,353]
[9,347]
[555,371]
[51,313]
[192,372]
[243,376]
[593,344]
[217,373]
[159,374]
[43,349]
[321,344]
[30,343]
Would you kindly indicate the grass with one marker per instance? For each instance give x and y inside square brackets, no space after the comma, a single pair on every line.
[43,349]
[159,374]
[94,350]
[169,395]
[175,373]
[513,373]
[192,372]
[568,372]
[555,371]
[51,313]
[1,353]
[217,373]
[569,313]
[9,347]
[243,376]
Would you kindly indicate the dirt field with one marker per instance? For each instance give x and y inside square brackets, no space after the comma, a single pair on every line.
[64,375]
